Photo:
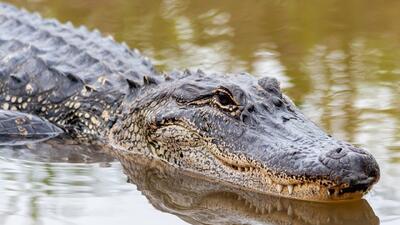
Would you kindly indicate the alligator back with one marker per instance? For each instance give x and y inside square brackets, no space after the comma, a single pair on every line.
[65,74]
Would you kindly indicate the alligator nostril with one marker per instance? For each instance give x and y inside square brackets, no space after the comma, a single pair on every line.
[251,109]
[336,153]
[339,150]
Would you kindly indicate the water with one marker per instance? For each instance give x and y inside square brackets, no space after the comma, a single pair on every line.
[338,60]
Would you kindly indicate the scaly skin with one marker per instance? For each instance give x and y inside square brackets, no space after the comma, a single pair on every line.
[233,128]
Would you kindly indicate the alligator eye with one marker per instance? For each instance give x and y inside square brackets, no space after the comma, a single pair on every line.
[224,99]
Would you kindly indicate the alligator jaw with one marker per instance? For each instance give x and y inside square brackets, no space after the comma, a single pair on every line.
[257,178]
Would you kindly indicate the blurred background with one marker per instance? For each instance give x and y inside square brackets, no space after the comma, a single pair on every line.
[338,60]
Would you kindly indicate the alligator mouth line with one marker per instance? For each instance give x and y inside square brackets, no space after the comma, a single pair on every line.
[279,184]
[319,190]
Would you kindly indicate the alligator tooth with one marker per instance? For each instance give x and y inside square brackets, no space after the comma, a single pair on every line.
[279,206]
[290,211]
[290,189]
[251,169]
[246,169]
[279,188]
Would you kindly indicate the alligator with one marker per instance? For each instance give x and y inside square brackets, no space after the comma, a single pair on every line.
[234,128]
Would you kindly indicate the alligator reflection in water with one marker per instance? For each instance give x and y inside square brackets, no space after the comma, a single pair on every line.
[58,150]
[198,200]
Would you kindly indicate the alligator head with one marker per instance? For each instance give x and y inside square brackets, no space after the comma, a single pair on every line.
[243,131]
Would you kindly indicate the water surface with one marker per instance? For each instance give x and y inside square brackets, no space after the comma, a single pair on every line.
[338,60]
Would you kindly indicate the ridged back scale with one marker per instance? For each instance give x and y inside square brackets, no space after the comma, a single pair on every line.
[47,67]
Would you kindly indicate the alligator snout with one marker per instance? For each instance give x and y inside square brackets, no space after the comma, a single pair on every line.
[352,166]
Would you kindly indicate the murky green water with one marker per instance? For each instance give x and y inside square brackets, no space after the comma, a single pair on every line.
[338,60]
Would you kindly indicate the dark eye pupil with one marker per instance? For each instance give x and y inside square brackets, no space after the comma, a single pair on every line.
[224,99]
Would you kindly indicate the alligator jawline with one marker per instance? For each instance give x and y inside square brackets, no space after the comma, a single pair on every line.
[325,192]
